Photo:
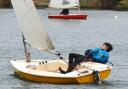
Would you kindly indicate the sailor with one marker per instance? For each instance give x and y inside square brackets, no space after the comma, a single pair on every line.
[99,55]
[65,12]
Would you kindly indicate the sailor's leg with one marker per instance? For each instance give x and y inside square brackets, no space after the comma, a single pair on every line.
[74,59]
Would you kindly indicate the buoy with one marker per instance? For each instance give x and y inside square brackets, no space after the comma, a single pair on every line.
[115,16]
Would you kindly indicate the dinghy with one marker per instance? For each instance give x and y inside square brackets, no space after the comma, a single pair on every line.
[47,72]
[40,70]
[71,16]
[66,4]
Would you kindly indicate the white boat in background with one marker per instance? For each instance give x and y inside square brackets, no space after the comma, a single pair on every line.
[66,4]
[40,70]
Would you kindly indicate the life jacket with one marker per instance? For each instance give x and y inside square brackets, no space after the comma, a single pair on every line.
[100,55]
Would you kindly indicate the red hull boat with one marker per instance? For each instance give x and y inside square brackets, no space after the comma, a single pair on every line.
[71,16]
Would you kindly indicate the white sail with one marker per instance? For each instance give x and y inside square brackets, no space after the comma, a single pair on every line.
[64,3]
[31,25]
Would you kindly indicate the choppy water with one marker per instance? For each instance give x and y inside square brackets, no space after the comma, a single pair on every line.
[68,36]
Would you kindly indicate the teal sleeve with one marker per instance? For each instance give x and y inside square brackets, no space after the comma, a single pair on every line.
[94,50]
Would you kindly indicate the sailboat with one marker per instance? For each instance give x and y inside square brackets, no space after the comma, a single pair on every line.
[66,4]
[41,70]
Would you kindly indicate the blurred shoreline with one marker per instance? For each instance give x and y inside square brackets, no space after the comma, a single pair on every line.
[84,4]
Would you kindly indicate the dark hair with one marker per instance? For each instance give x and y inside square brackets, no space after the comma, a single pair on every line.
[110,47]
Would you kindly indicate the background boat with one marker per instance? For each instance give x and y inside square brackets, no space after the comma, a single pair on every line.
[66,4]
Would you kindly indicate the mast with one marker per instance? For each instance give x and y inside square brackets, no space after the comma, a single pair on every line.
[79,6]
[27,53]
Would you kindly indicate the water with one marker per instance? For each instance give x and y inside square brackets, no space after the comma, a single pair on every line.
[68,36]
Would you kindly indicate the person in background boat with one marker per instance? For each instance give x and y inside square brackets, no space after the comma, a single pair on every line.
[99,55]
[65,12]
